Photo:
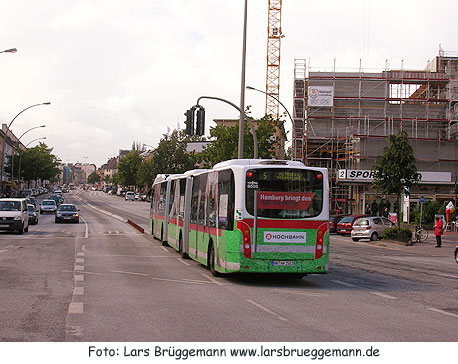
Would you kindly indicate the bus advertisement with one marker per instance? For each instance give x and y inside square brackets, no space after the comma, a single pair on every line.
[246,215]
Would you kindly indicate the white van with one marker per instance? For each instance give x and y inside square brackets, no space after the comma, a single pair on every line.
[14,215]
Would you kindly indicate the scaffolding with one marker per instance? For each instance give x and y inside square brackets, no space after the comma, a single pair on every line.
[349,131]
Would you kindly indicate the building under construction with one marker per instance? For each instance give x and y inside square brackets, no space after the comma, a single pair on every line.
[342,119]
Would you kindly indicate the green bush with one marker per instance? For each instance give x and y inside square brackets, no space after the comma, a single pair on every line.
[403,234]
[430,208]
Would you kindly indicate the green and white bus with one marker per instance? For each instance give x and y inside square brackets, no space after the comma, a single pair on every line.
[246,215]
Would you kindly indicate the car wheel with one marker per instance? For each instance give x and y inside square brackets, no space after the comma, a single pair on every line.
[374,237]
[21,230]
[41,212]
[355,239]
[56,221]
[456,254]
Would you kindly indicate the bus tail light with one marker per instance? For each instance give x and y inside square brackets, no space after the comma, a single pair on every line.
[246,242]
[319,244]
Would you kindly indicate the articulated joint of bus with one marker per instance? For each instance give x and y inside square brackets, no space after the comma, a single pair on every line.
[319,243]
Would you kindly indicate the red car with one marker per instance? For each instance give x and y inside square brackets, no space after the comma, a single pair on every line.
[345,226]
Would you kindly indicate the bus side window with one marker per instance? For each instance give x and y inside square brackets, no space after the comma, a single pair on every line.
[202,189]
[211,202]
[226,200]
[194,200]
[182,195]
[172,200]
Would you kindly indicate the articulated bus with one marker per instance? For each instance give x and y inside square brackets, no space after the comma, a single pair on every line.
[246,215]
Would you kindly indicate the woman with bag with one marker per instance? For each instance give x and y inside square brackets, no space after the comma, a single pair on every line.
[438,231]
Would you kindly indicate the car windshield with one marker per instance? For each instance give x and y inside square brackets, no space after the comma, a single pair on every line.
[362,222]
[67,208]
[48,202]
[10,206]
[346,219]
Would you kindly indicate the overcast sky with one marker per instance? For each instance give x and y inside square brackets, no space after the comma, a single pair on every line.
[118,71]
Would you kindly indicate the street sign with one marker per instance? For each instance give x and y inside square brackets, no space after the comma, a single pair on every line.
[422,199]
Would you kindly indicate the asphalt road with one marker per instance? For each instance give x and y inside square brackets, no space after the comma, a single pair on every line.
[102,280]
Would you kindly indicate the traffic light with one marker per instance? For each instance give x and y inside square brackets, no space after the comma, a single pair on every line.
[200,127]
[189,121]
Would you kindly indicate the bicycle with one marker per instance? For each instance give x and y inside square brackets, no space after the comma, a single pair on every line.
[420,233]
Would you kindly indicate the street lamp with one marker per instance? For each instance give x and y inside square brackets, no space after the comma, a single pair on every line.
[242,88]
[276,99]
[4,141]
[20,158]
[12,50]
[12,154]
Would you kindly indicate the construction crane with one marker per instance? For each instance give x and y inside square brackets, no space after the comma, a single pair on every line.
[274,36]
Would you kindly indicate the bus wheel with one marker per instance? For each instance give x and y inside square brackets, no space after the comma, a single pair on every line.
[182,252]
[212,262]
[164,243]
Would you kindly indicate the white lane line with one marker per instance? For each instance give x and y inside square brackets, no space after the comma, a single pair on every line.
[164,249]
[93,273]
[343,283]
[311,294]
[132,273]
[183,261]
[79,267]
[442,312]
[86,233]
[80,254]
[76,308]
[78,291]
[3,251]
[384,295]
[78,278]
[211,279]
[267,310]
[79,260]
[176,280]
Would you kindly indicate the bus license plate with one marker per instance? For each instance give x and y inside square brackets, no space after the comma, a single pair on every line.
[282,263]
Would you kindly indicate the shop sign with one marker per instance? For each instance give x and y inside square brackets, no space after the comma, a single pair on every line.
[368,175]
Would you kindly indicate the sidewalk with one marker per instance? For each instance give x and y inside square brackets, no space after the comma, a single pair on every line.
[449,243]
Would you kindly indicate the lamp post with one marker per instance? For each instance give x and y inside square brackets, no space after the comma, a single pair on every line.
[11,50]
[276,99]
[12,156]
[242,87]
[4,141]
[20,158]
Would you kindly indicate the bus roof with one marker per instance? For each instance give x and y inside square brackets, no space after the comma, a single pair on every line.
[258,162]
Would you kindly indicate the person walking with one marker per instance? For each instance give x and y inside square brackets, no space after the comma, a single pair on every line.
[438,231]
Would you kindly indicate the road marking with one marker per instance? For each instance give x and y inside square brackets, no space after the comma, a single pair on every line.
[72,271]
[211,279]
[117,231]
[133,273]
[86,233]
[79,260]
[343,283]
[384,295]
[78,278]
[78,291]
[79,267]
[176,280]
[183,262]
[80,254]
[311,294]
[76,308]
[3,251]
[164,249]
[442,312]
[267,310]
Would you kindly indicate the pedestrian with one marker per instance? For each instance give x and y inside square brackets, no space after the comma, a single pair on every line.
[386,213]
[438,231]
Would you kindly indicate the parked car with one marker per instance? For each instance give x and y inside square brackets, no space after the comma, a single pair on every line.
[48,206]
[67,212]
[333,221]
[14,215]
[371,227]
[456,254]
[345,225]
[33,215]
[137,196]
[130,196]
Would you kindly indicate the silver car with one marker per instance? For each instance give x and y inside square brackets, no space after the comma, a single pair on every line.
[371,227]
[48,206]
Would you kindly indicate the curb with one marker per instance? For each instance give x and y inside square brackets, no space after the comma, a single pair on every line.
[136,226]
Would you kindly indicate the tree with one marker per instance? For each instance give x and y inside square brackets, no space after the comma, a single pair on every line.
[395,170]
[36,163]
[93,178]
[127,169]
[145,173]
[224,143]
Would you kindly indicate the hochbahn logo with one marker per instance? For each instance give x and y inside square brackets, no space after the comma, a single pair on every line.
[284,237]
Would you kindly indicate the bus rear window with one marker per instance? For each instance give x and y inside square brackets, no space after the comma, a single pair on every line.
[284,193]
